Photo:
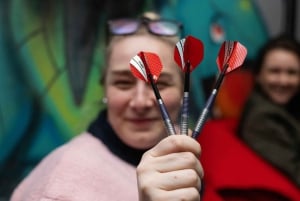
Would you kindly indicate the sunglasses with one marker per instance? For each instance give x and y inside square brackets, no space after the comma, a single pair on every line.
[161,27]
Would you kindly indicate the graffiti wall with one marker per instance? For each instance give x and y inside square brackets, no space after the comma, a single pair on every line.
[51,54]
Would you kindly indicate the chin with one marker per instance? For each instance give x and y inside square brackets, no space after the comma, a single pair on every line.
[139,144]
[281,101]
[145,140]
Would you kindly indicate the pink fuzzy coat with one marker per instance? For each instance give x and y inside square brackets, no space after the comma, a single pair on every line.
[81,170]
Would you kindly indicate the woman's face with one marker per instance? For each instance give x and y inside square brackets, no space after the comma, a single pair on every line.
[280,75]
[132,108]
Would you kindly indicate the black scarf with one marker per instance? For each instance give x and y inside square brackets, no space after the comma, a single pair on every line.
[102,130]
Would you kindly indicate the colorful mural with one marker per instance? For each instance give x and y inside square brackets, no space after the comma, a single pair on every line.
[213,22]
[50,57]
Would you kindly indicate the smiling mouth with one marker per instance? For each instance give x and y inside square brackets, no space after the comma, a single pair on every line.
[281,95]
[143,121]
[139,120]
[283,92]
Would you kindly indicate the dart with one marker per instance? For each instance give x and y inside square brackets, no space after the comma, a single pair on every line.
[188,53]
[147,67]
[231,56]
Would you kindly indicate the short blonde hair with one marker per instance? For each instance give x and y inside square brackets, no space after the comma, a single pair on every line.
[172,40]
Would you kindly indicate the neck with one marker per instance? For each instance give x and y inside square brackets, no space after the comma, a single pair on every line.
[102,130]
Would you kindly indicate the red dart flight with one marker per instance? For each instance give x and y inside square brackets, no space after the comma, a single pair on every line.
[188,50]
[231,53]
[146,64]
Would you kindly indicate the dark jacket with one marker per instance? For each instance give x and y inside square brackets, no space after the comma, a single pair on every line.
[273,133]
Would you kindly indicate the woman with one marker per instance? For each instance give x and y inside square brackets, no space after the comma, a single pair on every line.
[270,123]
[100,164]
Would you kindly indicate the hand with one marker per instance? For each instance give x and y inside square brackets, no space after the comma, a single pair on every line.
[171,170]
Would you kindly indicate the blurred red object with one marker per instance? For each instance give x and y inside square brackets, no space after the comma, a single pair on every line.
[233,93]
[234,172]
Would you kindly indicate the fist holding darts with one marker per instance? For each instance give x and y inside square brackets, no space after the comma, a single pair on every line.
[173,170]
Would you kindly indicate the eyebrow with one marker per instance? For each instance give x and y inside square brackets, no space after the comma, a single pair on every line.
[165,76]
[122,72]
[127,73]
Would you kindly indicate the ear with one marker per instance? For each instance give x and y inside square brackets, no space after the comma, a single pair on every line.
[104,95]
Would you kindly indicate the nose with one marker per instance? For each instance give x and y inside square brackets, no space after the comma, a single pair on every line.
[143,97]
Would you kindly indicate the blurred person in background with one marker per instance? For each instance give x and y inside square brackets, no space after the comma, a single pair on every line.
[270,122]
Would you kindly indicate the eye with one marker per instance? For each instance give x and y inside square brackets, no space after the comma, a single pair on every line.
[124,84]
[293,71]
[274,70]
[162,84]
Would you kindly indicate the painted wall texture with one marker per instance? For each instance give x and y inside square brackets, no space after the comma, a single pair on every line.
[51,54]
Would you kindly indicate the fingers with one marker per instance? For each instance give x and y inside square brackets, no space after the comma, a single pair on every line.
[178,185]
[176,152]
[190,132]
[186,178]
[175,143]
[171,170]
[189,194]
[169,181]
[176,161]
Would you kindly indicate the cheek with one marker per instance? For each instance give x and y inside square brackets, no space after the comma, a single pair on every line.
[172,99]
[265,80]
[295,80]
[117,100]
[116,104]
